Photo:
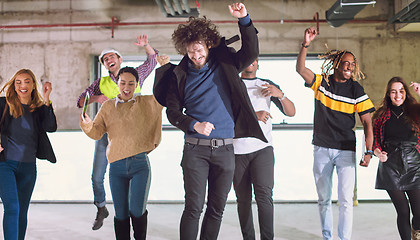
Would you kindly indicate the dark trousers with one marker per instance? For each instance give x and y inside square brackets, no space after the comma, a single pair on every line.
[255,169]
[202,164]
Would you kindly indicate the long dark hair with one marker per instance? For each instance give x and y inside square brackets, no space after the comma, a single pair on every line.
[410,105]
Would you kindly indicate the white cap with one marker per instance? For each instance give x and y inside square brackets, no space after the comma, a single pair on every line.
[106,51]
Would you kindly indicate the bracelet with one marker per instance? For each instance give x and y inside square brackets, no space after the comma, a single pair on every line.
[284,96]
[305,46]
[369,152]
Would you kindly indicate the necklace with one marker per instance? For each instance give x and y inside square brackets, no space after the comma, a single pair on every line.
[397,116]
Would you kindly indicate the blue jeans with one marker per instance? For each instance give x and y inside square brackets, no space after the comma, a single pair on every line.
[17,181]
[100,162]
[325,159]
[202,165]
[129,180]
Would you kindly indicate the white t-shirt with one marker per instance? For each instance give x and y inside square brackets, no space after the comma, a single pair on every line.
[260,103]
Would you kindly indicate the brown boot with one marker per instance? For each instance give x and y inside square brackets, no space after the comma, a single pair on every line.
[100,216]
[415,234]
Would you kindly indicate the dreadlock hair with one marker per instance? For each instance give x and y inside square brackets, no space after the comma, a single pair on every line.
[410,105]
[195,30]
[12,99]
[332,62]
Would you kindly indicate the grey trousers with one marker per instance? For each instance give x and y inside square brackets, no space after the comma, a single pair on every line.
[255,170]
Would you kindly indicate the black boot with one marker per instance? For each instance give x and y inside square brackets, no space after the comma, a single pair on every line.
[122,229]
[100,216]
[140,226]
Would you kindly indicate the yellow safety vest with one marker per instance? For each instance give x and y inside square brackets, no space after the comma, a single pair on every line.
[110,89]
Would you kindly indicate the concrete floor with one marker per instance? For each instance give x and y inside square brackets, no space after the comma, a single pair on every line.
[372,220]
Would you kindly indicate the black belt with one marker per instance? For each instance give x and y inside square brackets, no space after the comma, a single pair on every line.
[214,143]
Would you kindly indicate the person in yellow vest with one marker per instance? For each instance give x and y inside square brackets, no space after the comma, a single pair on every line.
[100,90]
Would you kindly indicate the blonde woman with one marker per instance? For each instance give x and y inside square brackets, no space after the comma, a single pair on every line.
[26,118]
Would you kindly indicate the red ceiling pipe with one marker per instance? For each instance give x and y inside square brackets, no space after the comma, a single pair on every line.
[117,23]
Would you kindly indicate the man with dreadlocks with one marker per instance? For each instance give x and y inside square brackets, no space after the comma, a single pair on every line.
[338,96]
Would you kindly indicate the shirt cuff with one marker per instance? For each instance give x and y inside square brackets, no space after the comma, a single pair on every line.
[245,20]
[192,126]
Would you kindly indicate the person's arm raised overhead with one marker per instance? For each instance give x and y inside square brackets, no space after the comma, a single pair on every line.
[306,73]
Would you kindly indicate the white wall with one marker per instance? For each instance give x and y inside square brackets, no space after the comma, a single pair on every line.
[63,55]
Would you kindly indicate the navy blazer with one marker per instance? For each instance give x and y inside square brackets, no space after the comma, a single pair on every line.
[45,121]
[170,83]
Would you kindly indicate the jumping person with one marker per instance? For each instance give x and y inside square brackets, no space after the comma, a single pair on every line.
[254,159]
[100,90]
[206,84]
[397,145]
[338,96]
[26,117]
[133,123]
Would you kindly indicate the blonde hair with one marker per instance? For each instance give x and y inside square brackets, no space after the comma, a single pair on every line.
[332,62]
[12,99]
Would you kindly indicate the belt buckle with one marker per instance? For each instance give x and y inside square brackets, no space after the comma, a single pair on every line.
[213,143]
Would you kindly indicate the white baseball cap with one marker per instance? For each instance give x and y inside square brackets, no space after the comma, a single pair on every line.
[106,51]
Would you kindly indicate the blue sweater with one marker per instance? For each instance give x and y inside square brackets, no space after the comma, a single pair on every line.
[206,100]
[23,139]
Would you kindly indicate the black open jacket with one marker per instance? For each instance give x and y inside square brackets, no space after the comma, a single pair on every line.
[170,83]
[45,121]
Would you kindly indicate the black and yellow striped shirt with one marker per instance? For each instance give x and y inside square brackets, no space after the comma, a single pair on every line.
[335,107]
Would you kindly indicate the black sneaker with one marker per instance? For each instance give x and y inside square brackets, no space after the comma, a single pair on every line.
[100,216]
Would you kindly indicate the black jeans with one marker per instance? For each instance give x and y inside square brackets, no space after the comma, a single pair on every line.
[202,164]
[255,169]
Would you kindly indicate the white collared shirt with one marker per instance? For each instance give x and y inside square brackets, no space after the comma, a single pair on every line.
[119,100]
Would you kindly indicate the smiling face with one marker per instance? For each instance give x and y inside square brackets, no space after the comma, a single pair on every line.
[112,62]
[24,85]
[198,53]
[397,94]
[346,68]
[127,85]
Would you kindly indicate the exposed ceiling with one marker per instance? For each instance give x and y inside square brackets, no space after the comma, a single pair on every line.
[343,11]
[410,14]
[408,18]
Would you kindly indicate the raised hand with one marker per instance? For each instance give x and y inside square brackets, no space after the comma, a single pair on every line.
[416,87]
[310,34]
[238,10]
[46,91]
[142,41]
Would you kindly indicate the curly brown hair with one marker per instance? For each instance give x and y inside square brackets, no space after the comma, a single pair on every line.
[195,30]
[410,106]
[332,62]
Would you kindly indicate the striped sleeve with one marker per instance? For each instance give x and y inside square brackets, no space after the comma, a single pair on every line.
[147,67]
[316,82]
[363,103]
